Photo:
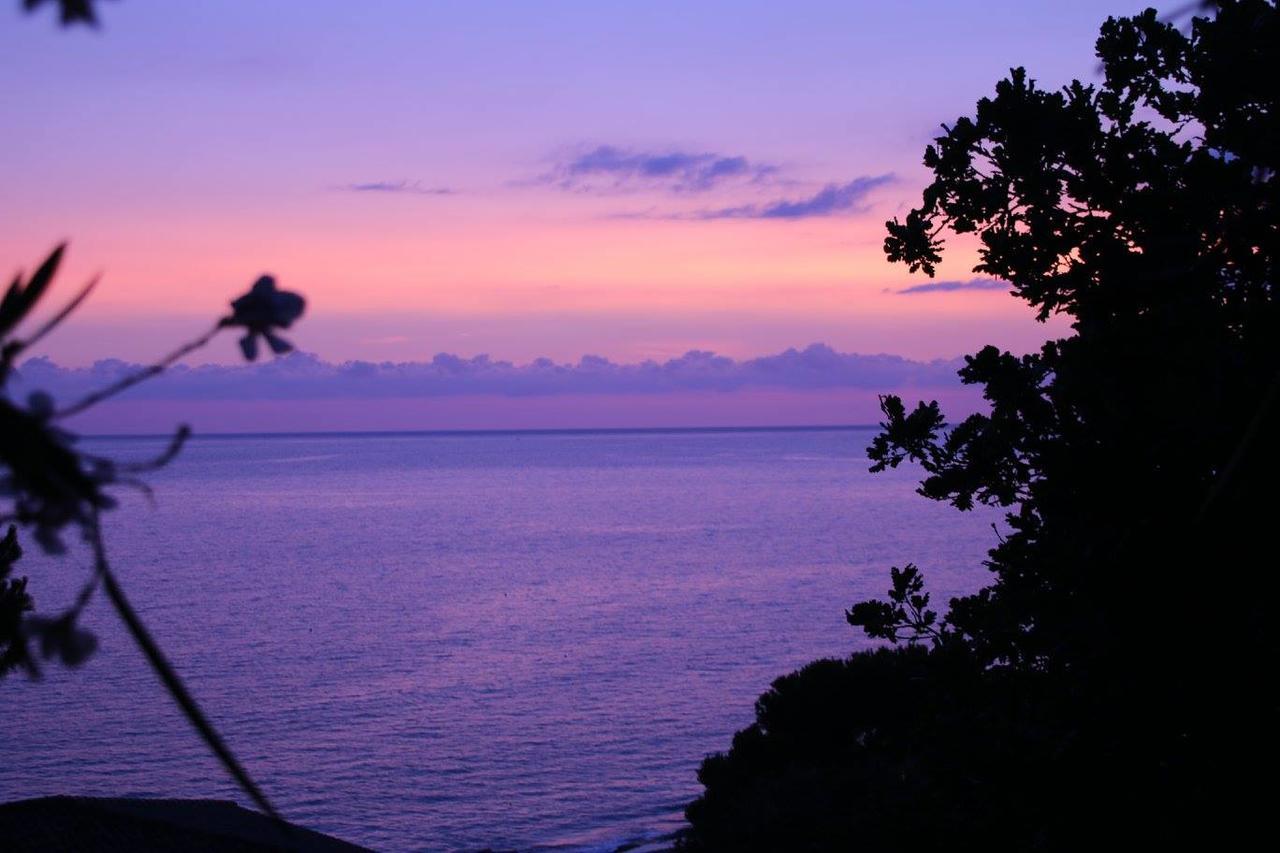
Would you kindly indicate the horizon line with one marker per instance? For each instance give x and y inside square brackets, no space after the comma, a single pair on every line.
[484,432]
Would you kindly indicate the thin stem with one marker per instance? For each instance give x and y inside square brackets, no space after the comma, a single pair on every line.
[146,373]
[176,443]
[86,593]
[169,677]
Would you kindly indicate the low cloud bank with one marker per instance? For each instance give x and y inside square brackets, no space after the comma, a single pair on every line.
[301,376]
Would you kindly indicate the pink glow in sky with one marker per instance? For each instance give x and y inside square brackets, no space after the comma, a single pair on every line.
[520,179]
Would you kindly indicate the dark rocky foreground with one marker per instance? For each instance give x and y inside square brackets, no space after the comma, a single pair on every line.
[108,825]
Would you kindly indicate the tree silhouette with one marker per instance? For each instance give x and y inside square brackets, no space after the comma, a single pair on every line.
[1108,671]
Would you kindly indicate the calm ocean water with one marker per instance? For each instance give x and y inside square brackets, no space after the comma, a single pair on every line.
[440,642]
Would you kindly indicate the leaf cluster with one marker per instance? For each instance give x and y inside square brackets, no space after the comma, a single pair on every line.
[905,616]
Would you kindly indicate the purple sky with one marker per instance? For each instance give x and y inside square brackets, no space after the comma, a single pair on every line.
[523,180]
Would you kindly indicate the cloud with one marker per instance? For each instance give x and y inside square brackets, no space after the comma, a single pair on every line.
[414,188]
[303,376]
[951,286]
[828,201]
[607,168]
[610,169]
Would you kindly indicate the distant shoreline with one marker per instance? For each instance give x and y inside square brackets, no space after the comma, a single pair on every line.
[489,432]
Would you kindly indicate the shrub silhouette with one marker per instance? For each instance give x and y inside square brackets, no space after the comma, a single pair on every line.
[1103,685]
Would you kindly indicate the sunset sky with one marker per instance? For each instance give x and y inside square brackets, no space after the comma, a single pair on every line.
[630,180]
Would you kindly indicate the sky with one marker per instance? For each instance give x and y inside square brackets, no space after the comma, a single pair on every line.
[630,181]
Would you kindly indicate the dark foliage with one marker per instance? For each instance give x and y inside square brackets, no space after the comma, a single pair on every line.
[905,616]
[15,603]
[906,748]
[1107,680]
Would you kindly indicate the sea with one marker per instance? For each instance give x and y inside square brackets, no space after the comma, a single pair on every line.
[468,641]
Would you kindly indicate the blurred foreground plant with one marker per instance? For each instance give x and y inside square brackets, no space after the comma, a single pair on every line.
[51,487]
[69,11]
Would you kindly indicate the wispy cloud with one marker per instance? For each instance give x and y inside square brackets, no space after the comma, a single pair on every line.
[302,376]
[610,169]
[952,286]
[411,188]
[831,200]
